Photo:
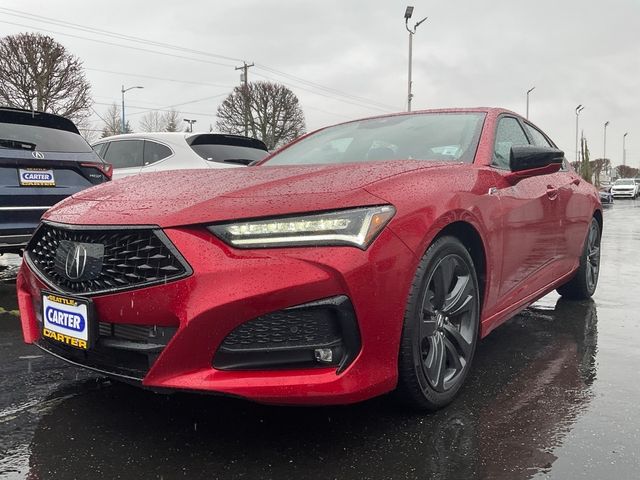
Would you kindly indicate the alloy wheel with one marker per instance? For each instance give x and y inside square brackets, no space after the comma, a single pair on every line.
[448,324]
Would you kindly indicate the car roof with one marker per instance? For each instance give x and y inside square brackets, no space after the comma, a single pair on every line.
[37,119]
[182,137]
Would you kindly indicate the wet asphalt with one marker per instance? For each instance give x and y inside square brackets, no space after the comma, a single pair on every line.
[554,393]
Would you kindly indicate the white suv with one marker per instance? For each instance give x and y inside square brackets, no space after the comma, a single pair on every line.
[625,187]
[135,153]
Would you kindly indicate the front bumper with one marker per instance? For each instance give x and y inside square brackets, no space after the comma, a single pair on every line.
[230,287]
[623,193]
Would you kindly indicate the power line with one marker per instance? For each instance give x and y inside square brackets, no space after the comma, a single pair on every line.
[130,38]
[140,75]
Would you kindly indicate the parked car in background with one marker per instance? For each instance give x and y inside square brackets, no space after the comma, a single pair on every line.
[606,197]
[625,188]
[134,153]
[43,159]
[363,258]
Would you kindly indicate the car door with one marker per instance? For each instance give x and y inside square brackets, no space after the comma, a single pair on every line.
[566,181]
[126,156]
[530,221]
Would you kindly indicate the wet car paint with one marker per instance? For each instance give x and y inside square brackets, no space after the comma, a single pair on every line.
[551,395]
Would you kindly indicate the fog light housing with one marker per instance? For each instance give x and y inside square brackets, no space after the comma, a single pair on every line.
[323,355]
[317,334]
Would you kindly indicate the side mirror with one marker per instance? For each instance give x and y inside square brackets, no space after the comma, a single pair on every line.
[529,161]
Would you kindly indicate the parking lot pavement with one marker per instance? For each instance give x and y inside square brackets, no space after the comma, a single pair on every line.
[553,394]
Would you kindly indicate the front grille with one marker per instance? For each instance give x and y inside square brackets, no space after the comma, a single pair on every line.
[120,349]
[285,328]
[129,257]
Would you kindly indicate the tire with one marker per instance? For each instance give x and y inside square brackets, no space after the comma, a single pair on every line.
[440,329]
[584,282]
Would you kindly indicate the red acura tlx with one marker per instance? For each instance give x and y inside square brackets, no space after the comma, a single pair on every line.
[363,258]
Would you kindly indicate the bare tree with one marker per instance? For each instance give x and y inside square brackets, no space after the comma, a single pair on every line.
[273,114]
[89,131]
[152,122]
[172,121]
[112,120]
[625,171]
[38,73]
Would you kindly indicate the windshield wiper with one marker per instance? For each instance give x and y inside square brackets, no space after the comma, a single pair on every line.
[16,144]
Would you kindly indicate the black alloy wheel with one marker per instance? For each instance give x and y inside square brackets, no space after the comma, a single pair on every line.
[441,326]
[584,282]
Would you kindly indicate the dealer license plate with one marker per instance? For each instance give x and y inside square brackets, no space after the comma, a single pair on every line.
[36,177]
[67,320]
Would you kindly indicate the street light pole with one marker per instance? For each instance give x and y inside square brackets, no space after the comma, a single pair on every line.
[624,148]
[604,149]
[190,122]
[528,92]
[124,90]
[579,108]
[407,15]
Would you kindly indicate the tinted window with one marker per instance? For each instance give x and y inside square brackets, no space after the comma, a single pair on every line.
[537,137]
[429,136]
[508,134]
[222,153]
[154,152]
[125,153]
[100,149]
[29,137]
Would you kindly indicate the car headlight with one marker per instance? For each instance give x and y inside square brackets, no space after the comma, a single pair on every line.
[357,227]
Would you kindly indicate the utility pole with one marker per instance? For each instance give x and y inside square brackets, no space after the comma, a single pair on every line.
[528,92]
[407,15]
[190,122]
[624,148]
[245,93]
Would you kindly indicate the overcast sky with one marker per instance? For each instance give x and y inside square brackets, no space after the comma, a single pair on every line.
[348,59]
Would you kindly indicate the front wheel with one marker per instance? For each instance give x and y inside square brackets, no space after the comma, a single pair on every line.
[584,282]
[440,327]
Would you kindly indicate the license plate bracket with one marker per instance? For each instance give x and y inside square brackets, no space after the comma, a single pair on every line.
[68,320]
[36,177]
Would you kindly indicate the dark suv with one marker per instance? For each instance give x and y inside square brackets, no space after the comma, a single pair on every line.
[43,159]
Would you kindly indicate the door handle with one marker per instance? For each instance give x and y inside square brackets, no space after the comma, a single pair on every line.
[552,192]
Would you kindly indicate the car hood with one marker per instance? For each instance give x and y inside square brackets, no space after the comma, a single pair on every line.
[185,197]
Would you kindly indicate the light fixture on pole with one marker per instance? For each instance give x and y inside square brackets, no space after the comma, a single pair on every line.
[407,15]
[528,92]
[579,108]
[124,90]
[190,122]
[624,148]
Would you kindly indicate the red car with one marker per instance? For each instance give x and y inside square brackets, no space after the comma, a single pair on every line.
[363,258]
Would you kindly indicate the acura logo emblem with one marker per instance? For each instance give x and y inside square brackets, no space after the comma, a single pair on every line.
[38,155]
[76,262]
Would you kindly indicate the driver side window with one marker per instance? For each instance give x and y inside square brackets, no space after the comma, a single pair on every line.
[508,134]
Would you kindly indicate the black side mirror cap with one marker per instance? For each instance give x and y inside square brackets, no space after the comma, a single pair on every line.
[530,157]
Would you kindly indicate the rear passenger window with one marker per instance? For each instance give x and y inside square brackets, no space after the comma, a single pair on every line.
[537,137]
[125,153]
[100,149]
[154,152]
[508,134]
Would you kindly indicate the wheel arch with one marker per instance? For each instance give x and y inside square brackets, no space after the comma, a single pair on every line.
[470,237]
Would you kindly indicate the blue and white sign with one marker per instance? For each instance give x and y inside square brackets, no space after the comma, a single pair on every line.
[65,320]
[36,177]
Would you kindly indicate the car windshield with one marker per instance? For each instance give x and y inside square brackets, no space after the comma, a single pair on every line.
[625,182]
[451,137]
[30,137]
